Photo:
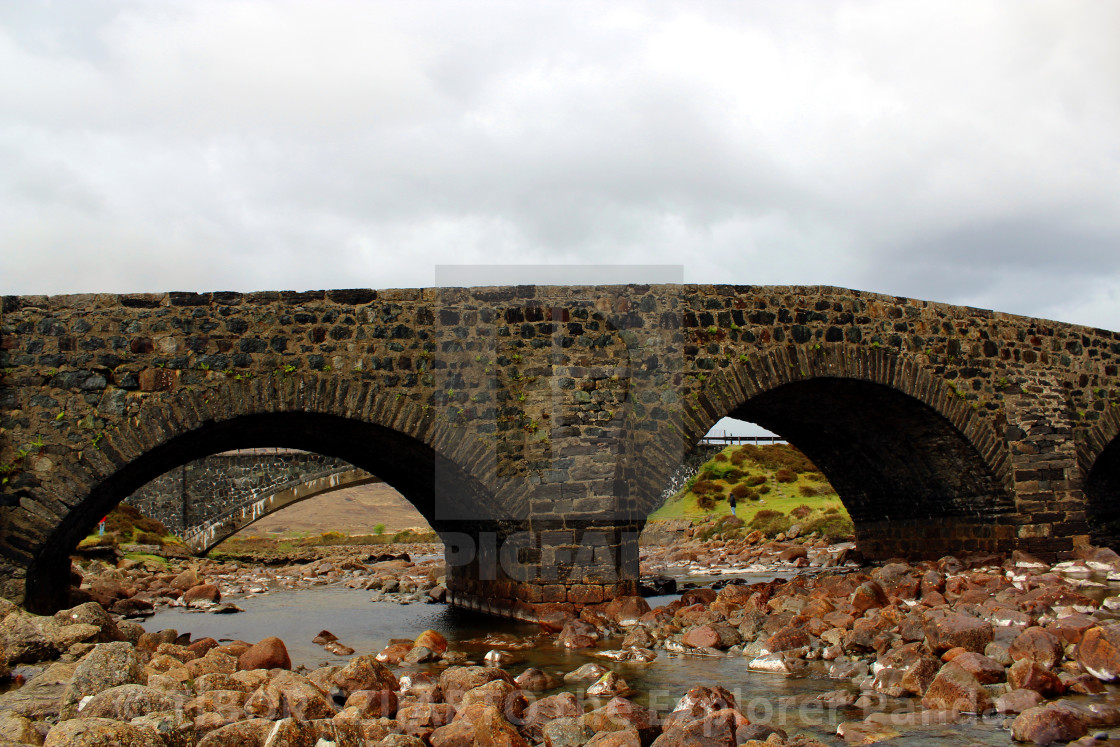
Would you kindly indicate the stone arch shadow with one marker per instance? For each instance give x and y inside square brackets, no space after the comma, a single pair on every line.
[1098,456]
[381,434]
[921,474]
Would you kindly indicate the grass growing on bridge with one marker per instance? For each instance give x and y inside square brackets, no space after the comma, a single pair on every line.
[776,479]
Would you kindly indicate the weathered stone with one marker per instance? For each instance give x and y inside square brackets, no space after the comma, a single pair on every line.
[108,665]
[1026,674]
[1099,652]
[1038,645]
[126,702]
[455,681]
[289,695]
[954,689]
[99,732]
[948,630]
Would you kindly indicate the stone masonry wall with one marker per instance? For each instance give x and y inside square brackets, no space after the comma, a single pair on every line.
[555,411]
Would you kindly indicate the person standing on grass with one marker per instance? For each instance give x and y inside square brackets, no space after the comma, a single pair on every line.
[731,502]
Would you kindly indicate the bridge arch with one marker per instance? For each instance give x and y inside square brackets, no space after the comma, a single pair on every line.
[1099,460]
[900,447]
[381,433]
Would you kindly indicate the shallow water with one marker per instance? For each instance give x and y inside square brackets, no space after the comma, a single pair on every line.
[297,616]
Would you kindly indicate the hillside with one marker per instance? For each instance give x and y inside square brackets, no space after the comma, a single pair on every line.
[775,486]
[355,510]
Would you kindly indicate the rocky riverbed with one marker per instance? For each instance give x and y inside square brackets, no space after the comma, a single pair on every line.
[1005,648]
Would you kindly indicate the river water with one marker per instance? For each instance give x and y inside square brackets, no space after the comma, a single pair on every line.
[297,616]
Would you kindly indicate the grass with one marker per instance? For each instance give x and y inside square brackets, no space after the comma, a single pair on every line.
[782,478]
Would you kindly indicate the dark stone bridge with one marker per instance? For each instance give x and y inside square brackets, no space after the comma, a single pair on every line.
[208,500]
[535,427]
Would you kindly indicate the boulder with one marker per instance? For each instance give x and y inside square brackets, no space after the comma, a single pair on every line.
[608,686]
[500,694]
[711,730]
[1045,724]
[622,715]
[1026,674]
[270,653]
[455,681]
[126,702]
[99,732]
[986,670]
[374,703]
[421,720]
[867,596]
[626,611]
[1017,701]
[947,630]
[955,689]
[289,695]
[202,595]
[535,680]
[566,732]
[548,709]
[365,673]
[431,640]
[1099,652]
[1037,644]
[108,665]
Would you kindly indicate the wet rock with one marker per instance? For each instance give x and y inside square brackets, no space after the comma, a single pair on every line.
[956,689]
[269,653]
[500,694]
[1037,644]
[99,732]
[455,681]
[546,710]
[626,611]
[374,703]
[498,658]
[324,637]
[1030,675]
[866,732]
[1017,701]
[1045,724]
[986,670]
[419,655]
[946,630]
[421,720]
[638,637]
[133,607]
[431,640]
[108,665]
[786,639]
[586,673]
[394,653]
[867,596]
[421,686]
[126,702]
[1099,652]
[535,680]
[622,715]
[622,738]
[700,701]
[608,686]
[711,730]
[698,596]
[566,732]
[920,675]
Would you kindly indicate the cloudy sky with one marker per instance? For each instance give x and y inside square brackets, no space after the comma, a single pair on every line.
[956,151]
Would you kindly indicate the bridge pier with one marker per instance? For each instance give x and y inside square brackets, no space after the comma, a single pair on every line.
[526,573]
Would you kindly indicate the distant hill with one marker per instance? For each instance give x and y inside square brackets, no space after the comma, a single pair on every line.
[771,477]
[354,510]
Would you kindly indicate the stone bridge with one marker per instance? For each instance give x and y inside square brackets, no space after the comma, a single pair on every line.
[210,499]
[536,427]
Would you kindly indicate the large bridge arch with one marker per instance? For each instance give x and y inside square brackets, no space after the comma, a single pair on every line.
[900,447]
[1099,458]
[379,433]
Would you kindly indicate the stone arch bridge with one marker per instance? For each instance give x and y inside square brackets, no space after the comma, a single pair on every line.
[208,500]
[535,427]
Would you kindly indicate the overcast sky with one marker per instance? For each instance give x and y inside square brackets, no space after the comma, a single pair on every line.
[956,151]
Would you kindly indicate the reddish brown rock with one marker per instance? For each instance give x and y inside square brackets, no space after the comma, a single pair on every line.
[1037,645]
[954,689]
[202,594]
[946,630]
[374,703]
[270,653]
[547,709]
[421,720]
[698,596]
[986,671]
[786,639]
[431,640]
[1030,675]
[626,611]
[364,673]
[620,715]
[867,596]
[455,681]
[1099,652]
[1045,724]
[1017,701]
[704,636]
[711,730]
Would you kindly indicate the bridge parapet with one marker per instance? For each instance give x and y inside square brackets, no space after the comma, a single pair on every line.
[554,417]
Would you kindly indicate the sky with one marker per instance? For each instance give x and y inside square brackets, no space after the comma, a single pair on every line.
[966,152]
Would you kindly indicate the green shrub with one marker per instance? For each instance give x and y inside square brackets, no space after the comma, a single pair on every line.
[756,480]
[720,457]
[801,511]
[763,490]
[785,475]
[379,529]
[833,526]
[770,522]
[706,502]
